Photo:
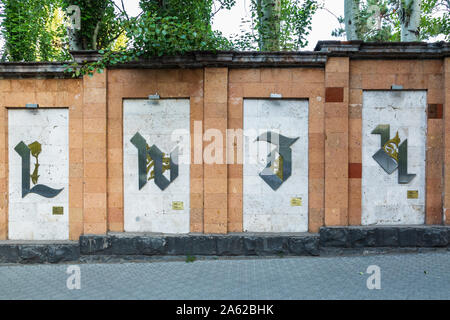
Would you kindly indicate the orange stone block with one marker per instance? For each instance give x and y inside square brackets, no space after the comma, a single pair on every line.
[196,216]
[215,185]
[245,75]
[5,85]
[95,170]
[94,201]
[215,200]
[115,184]
[23,85]
[308,75]
[115,199]
[235,186]
[215,216]
[116,227]
[94,111]
[3,231]
[276,75]
[76,185]
[98,80]
[75,200]
[337,79]
[75,170]
[95,155]
[75,215]
[94,96]
[218,228]
[94,185]
[75,230]
[316,217]
[235,227]
[46,99]
[354,218]
[337,65]
[196,200]
[95,228]
[235,200]
[375,81]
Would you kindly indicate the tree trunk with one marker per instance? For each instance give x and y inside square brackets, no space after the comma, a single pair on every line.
[74,40]
[410,20]
[269,12]
[95,36]
[351,9]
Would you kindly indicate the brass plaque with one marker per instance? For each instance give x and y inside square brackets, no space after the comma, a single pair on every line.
[413,194]
[58,211]
[296,202]
[177,205]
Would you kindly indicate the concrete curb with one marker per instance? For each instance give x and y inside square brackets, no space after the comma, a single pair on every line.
[33,252]
[330,241]
[215,245]
[385,236]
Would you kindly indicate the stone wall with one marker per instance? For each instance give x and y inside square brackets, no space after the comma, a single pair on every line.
[331,90]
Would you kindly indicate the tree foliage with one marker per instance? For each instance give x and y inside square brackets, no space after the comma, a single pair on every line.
[33,30]
[285,30]
[167,27]
[174,27]
[435,19]
[380,20]
[101,23]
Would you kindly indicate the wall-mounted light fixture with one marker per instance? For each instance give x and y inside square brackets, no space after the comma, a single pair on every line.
[31,106]
[154,96]
[276,96]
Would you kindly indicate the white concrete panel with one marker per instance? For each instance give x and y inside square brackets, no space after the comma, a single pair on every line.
[31,217]
[384,200]
[166,124]
[264,209]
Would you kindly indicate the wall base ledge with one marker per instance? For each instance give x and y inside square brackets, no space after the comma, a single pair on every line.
[431,236]
[330,241]
[38,251]
[240,244]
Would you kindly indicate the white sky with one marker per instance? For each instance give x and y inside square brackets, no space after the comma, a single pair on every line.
[229,21]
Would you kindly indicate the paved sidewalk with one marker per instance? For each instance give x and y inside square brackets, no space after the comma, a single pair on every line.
[403,276]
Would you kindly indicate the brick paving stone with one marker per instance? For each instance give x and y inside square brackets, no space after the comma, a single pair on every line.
[403,276]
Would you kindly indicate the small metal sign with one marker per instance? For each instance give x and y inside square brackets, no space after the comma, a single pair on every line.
[413,194]
[58,211]
[177,205]
[296,202]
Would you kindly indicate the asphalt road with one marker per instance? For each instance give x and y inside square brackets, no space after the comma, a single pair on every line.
[401,276]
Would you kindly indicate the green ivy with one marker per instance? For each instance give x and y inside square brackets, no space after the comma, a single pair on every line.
[101,24]
[33,30]
[175,28]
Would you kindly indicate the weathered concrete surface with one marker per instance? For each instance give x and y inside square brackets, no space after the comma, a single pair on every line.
[385,236]
[38,252]
[330,241]
[216,245]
